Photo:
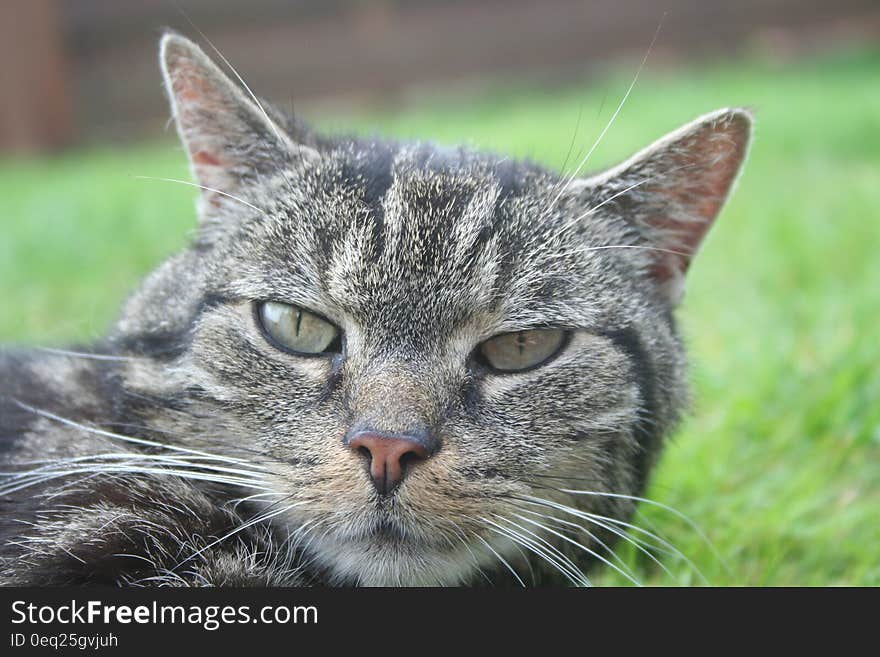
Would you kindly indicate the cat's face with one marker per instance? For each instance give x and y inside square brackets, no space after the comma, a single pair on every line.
[425,348]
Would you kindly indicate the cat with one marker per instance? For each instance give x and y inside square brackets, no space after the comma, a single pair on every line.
[377,363]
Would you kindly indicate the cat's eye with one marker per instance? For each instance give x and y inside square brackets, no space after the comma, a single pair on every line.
[295,329]
[522,350]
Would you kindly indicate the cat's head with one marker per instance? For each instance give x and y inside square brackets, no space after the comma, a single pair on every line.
[425,348]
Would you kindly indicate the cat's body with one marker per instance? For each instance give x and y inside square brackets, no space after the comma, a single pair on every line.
[191,448]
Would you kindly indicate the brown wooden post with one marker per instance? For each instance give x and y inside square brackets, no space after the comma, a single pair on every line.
[35,103]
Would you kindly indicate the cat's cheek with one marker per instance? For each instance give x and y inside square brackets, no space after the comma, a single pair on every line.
[331,483]
[315,370]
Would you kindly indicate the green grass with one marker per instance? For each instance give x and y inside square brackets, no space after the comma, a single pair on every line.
[779,463]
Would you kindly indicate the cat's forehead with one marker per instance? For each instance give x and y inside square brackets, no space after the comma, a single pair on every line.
[422,173]
[420,237]
[423,199]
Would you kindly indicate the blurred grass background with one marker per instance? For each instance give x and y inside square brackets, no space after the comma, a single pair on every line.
[779,463]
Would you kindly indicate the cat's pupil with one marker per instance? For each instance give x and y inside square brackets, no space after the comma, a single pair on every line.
[295,329]
[512,352]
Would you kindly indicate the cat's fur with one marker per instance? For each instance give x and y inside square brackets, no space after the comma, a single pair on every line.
[418,253]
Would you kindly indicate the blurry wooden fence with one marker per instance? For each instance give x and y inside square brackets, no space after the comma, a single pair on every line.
[79,69]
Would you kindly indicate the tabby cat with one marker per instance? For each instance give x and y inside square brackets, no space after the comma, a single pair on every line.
[377,363]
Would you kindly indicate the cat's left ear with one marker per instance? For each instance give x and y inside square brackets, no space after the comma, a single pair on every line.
[672,191]
[228,135]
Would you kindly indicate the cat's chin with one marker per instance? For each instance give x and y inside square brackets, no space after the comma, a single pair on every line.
[386,557]
[346,564]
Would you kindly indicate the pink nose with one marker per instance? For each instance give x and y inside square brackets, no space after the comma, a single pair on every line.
[389,456]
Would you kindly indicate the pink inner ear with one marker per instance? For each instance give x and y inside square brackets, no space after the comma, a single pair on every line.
[205,163]
[205,158]
[706,168]
[680,238]
[201,161]
[199,104]
[198,101]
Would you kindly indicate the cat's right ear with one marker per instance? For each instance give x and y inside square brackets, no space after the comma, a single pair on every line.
[672,191]
[228,135]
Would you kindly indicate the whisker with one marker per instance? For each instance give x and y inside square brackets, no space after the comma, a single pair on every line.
[642,545]
[608,200]
[577,128]
[178,460]
[234,504]
[128,469]
[580,528]
[500,558]
[549,546]
[253,97]
[83,354]
[592,517]
[462,537]
[253,521]
[131,439]
[580,545]
[575,221]
[611,121]
[550,553]
[207,189]
[693,525]
[519,540]
[598,520]
[284,143]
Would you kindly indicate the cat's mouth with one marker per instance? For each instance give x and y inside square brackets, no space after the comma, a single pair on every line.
[389,530]
[385,528]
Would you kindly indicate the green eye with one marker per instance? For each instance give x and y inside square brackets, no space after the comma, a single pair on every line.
[297,330]
[522,350]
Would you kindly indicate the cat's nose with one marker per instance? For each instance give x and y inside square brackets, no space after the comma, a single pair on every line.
[390,455]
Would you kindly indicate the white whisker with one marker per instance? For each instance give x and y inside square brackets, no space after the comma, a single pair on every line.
[554,550]
[138,441]
[563,565]
[83,354]
[519,540]
[254,521]
[619,569]
[124,468]
[616,111]
[599,520]
[177,460]
[693,525]
[281,140]
[208,189]
[501,559]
